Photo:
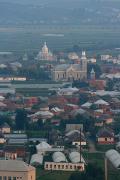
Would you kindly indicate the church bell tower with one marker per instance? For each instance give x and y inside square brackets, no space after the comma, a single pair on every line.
[84,64]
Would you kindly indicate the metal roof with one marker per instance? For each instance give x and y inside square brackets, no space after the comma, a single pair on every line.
[114,157]
[36,159]
[75,157]
[14,165]
[59,157]
[43,146]
[15,136]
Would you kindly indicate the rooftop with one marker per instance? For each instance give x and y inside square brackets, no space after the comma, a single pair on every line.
[14,165]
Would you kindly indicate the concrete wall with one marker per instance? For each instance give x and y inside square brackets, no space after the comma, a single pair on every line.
[31,175]
[64,166]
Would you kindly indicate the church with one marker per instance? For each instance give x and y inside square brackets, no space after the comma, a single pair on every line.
[71,72]
[45,54]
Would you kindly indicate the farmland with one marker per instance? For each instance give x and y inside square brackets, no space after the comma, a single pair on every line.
[31,38]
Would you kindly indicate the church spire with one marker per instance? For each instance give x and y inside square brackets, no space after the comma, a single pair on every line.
[84,61]
[92,74]
[83,55]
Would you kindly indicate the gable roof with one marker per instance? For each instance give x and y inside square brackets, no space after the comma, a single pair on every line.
[64,67]
[14,165]
[105,132]
[5,125]
[101,102]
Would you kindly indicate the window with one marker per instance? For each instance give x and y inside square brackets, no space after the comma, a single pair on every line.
[46,165]
[105,139]
[58,166]
[5,178]
[14,178]
[62,166]
[66,166]
[50,165]
[79,167]
[55,166]
[0,177]
[9,178]
[70,167]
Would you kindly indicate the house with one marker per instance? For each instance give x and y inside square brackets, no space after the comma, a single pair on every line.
[16,169]
[74,138]
[5,128]
[105,136]
[86,105]
[70,107]
[101,104]
[14,151]
[99,122]
[71,127]
[97,113]
[108,119]
[77,112]
[97,84]
[2,139]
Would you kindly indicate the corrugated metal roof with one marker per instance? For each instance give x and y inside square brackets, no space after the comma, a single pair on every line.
[14,165]
[75,157]
[114,157]
[59,157]
[36,159]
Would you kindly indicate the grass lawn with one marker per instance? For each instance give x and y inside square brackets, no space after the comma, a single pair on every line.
[40,134]
[104,148]
[97,158]
[56,175]
[30,39]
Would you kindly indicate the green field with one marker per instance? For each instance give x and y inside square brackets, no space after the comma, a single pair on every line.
[97,158]
[58,37]
[56,175]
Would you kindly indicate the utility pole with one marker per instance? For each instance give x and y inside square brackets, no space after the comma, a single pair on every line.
[106,169]
[80,145]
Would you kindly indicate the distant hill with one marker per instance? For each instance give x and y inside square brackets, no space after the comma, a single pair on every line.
[17,12]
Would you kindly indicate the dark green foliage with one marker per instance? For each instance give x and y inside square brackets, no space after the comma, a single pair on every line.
[83,98]
[110,85]
[92,173]
[21,119]
[96,68]
[86,121]
[80,84]
[34,73]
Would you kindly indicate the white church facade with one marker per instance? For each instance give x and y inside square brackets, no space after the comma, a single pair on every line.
[45,54]
[71,72]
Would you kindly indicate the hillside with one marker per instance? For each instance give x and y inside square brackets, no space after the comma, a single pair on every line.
[73,12]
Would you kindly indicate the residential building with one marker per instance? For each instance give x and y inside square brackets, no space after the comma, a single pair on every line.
[5,128]
[14,170]
[105,136]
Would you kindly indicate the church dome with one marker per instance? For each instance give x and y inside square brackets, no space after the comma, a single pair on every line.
[45,48]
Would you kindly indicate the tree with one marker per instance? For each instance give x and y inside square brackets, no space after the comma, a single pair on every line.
[92,172]
[96,68]
[21,119]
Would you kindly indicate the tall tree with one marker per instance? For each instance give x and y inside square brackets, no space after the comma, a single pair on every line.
[92,172]
[21,119]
